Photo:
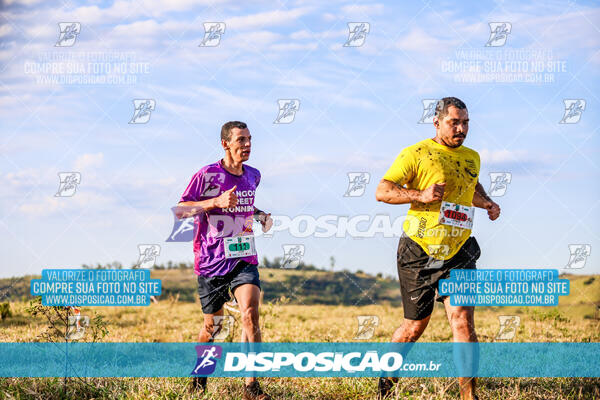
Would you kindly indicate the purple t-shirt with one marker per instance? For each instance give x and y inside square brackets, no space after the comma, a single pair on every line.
[210,228]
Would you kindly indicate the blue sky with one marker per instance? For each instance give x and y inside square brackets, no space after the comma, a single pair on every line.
[359,106]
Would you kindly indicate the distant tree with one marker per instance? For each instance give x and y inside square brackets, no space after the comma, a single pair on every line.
[266,263]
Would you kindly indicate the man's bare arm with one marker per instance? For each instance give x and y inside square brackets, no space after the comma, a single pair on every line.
[480,197]
[261,216]
[390,193]
[264,218]
[482,200]
[258,213]
[186,209]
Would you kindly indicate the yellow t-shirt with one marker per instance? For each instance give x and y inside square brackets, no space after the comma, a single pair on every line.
[420,166]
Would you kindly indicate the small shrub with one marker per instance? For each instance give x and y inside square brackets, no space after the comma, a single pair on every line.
[5,311]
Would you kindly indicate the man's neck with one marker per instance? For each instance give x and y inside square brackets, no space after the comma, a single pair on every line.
[440,141]
[235,168]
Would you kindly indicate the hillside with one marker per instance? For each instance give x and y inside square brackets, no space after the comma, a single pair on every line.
[311,286]
[298,286]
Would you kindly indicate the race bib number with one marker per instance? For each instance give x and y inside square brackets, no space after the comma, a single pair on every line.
[239,246]
[456,215]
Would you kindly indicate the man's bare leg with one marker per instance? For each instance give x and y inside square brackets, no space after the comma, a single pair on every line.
[410,331]
[208,328]
[244,339]
[247,297]
[462,323]
[205,336]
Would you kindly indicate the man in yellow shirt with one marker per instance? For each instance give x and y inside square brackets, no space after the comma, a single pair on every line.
[439,178]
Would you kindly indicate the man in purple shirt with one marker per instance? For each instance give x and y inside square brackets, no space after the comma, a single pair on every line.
[221,198]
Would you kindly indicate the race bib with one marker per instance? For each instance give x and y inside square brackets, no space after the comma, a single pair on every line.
[239,246]
[456,215]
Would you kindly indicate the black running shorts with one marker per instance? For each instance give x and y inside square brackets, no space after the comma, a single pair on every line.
[214,290]
[419,274]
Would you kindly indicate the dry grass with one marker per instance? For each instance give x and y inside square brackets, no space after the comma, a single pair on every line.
[575,320]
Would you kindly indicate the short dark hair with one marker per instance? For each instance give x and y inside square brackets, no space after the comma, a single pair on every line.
[228,126]
[441,109]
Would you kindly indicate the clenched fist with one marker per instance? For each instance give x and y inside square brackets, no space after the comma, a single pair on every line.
[493,210]
[266,222]
[227,199]
[433,193]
